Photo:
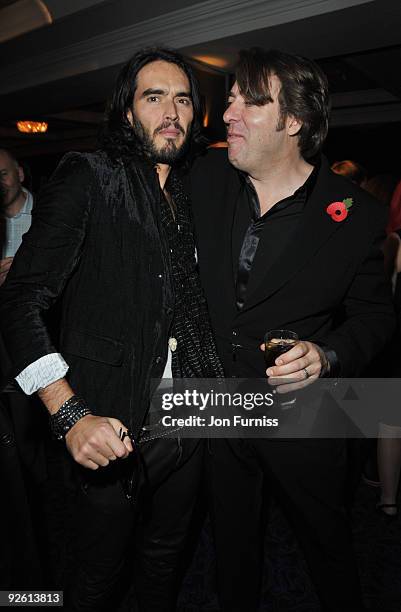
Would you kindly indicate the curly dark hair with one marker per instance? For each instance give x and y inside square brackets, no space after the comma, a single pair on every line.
[304,91]
[117,136]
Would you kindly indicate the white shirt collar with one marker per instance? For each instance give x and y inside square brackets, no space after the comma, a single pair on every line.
[27,207]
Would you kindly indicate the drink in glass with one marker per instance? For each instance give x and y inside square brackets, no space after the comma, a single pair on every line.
[277,342]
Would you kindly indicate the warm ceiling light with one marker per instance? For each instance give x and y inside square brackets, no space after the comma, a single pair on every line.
[218,62]
[222,144]
[22,16]
[32,127]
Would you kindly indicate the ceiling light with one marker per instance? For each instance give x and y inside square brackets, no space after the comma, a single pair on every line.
[32,127]
[218,62]
[22,16]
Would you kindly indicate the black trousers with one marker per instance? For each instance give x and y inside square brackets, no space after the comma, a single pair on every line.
[23,549]
[309,479]
[107,529]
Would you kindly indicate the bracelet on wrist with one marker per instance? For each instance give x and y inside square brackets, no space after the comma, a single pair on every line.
[69,413]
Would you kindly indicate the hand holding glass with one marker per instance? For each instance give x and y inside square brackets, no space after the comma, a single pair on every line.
[277,342]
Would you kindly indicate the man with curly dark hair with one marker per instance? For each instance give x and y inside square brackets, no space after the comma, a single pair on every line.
[112,233]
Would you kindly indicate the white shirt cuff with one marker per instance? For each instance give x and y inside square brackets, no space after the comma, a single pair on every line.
[42,373]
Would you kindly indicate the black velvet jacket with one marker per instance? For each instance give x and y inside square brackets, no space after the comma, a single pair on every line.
[96,237]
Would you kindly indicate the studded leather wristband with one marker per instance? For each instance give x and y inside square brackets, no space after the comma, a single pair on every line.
[67,415]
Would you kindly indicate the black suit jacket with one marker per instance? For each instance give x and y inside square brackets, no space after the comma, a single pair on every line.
[330,272]
[95,239]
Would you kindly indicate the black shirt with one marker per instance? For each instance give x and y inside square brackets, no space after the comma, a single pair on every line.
[275,228]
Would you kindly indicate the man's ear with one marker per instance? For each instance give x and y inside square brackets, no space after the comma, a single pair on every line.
[293,126]
[130,117]
[21,174]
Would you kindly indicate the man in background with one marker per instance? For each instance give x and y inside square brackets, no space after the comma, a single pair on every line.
[352,171]
[16,209]
[22,436]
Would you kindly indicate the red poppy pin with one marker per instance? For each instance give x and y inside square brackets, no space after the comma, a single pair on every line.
[338,211]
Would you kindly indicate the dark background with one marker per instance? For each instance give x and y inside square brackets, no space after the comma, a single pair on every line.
[58,64]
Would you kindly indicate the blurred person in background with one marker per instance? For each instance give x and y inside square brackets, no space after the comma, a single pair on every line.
[351,170]
[22,441]
[363,453]
[16,209]
[392,243]
[381,187]
[389,439]
[2,195]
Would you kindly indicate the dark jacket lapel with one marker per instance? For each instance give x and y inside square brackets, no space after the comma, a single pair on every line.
[233,192]
[313,231]
[223,231]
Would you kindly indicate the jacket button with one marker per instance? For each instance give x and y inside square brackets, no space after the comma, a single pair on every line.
[172,343]
[158,359]
[234,333]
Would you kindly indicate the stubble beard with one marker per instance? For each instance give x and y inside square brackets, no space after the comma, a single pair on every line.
[169,153]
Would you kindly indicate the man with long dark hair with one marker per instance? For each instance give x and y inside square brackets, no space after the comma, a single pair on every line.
[285,244]
[111,231]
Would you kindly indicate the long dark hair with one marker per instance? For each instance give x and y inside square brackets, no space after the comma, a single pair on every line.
[117,136]
[303,94]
